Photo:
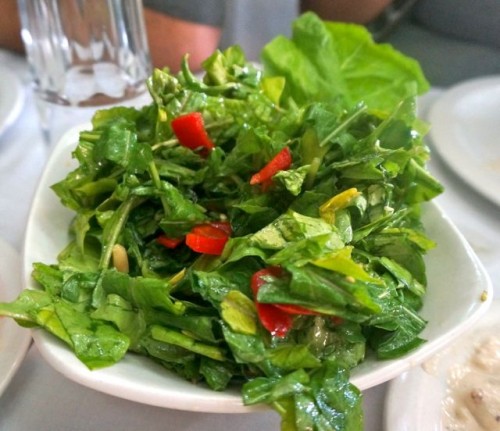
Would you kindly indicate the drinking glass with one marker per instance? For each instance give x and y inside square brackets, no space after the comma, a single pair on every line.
[83,54]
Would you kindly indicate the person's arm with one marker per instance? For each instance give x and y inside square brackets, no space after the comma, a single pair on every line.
[356,11]
[10,27]
[176,28]
[170,38]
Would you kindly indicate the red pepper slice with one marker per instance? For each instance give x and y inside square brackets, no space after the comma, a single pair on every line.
[258,277]
[169,242]
[280,162]
[276,318]
[336,320]
[295,309]
[207,238]
[191,133]
[276,321]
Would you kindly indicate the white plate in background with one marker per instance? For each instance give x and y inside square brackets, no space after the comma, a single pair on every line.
[465,132]
[11,98]
[414,400]
[457,281]
[14,340]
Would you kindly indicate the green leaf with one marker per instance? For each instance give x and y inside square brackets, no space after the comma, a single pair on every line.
[238,311]
[118,144]
[348,66]
[141,292]
[128,321]
[292,357]
[322,400]
[26,306]
[169,336]
[181,214]
[97,345]
[342,262]
[217,374]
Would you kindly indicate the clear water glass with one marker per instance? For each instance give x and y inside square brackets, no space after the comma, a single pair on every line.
[83,54]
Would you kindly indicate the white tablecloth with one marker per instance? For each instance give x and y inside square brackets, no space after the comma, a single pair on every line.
[39,398]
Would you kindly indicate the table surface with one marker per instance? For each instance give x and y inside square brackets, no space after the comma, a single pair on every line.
[39,398]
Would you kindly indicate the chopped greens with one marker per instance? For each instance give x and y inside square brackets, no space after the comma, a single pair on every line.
[341,221]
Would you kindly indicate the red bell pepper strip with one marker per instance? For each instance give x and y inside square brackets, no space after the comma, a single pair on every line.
[191,133]
[169,242]
[276,318]
[258,277]
[276,321]
[336,320]
[295,309]
[208,238]
[280,162]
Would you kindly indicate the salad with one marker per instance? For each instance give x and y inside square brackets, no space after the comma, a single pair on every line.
[259,226]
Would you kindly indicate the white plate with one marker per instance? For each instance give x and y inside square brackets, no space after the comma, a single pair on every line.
[456,280]
[14,340]
[414,400]
[11,98]
[465,130]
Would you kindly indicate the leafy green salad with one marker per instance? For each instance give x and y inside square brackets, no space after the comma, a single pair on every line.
[259,226]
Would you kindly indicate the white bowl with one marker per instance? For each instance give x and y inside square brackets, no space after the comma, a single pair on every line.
[14,340]
[465,131]
[415,399]
[458,285]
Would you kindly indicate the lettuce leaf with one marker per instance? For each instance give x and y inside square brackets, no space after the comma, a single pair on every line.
[330,61]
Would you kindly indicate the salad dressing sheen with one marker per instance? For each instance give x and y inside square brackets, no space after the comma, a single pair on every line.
[473,401]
